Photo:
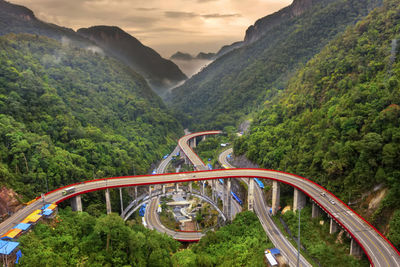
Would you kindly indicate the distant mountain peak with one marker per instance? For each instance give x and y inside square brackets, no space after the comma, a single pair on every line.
[262,25]
[17,10]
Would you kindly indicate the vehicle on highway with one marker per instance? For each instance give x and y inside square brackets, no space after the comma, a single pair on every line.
[166,156]
[236,198]
[322,194]
[221,181]
[68,191]
[332,202]
[260,184]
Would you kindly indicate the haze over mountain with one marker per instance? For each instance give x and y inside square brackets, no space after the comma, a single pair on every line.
[192,64]
[236,83]
[159,72]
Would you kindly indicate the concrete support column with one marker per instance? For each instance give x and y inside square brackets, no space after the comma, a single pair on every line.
[163,189]
[355,249]
[187,161]
[150,190]
[108,202]
[250,195]
[176,187]
[316,211]
[299,200]
[135,192]
[203,138]
[333,226]
[203,185]
[213,191]
[193,142]
[76,203]
[120,198]
[227,199]
[191,187]
[276,195]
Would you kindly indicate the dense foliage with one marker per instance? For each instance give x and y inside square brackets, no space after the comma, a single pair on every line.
[241,243]
[338,122]
[79,239]
[68,114]
[238,82]
[325,249]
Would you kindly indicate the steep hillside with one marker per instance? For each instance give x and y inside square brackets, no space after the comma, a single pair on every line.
[161,73]
[238,82]
[338,122]
[68,114]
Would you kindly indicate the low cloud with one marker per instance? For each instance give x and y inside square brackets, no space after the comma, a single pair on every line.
[218,16]
[180,14]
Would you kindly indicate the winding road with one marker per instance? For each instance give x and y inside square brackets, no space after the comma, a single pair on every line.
[261,209]
[378,249]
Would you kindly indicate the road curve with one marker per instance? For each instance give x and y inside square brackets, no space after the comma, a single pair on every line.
[274,234]
[378,249]
[152,218]
[199,164]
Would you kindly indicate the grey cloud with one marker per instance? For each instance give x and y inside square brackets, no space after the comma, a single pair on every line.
[139,21]
[180,14]
[147,9]
[217,16]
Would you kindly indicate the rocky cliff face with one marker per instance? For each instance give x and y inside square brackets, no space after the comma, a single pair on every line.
[160,73]
[264,24]
[9,202]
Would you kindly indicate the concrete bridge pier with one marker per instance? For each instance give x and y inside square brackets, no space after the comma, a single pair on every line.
[355,249]
[191,187]
[120,199]
[163,189]
[203,186]
[316,211]
[135,192]
[150,190]
[276,194]
[192,142]
[76,203]
[108,202]
[333,226]
[176,187]
[227,199]
[299,200]
[250,195]
[203,138]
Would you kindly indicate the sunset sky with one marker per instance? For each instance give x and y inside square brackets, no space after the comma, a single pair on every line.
[166,25]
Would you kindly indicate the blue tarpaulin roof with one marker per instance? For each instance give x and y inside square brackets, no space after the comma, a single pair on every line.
[47,212]
[46,206]
[6,247]
[274,251]
[23,226]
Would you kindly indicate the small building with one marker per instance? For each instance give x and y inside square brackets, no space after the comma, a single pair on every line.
[9,252]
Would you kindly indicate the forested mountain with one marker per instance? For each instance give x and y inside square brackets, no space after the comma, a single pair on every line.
[68,114]
[160,73]
[19,19]
[238,82]
[338,121]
